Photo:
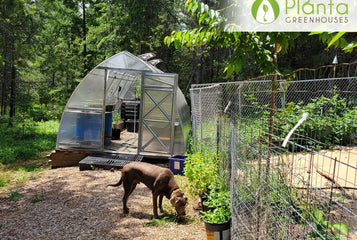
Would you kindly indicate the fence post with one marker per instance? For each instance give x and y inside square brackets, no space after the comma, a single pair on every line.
[331,192]
[219,129]
[233,155]
[258,203]
[200,114]
[283,97]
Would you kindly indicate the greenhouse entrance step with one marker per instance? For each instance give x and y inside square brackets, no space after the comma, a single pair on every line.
[108,161]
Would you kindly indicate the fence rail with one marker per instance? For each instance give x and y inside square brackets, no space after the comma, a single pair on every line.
[307,189]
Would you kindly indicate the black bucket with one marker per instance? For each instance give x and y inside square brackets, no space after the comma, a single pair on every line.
[218,231]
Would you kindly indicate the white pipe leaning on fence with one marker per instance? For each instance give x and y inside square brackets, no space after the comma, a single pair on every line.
[228,105]
[302,119]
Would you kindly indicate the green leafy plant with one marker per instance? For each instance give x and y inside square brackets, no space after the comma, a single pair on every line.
[15,195]
[164,222]
[38,198]
[338,230]
[217,197]
[218,203]
[218,215]
[116,117]
[201,171]
[331,120]
[323,228]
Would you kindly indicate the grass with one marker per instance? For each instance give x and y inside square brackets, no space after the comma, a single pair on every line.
[169,218]
[21,143]
[23,151]
[13,175]
[163,222]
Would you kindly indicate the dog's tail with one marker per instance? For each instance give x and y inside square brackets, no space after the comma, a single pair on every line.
[117,184]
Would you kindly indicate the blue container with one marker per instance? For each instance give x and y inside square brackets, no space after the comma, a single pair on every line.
[88,127]
[177,163]
[108,128]
[108,124]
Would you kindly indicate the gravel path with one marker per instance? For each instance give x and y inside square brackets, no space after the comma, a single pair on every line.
[78,205]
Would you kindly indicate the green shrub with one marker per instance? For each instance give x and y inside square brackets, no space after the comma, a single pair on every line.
[201,171]
[330,121]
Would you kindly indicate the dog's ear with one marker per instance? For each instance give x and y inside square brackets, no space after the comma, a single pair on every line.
[173,201]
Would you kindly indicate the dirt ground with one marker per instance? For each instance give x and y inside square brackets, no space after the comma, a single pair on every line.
[79,205]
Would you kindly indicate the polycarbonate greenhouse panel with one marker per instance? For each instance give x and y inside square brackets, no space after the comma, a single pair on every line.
[90,92]
[182,123]
[80,130]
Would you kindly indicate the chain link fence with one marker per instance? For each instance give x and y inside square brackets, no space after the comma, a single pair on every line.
[287,181]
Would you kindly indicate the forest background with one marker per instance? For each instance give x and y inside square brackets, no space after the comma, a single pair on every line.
[48,46]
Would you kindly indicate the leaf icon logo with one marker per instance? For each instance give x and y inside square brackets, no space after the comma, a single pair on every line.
[265,11]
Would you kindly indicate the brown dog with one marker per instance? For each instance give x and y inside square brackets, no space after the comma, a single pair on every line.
[160,181]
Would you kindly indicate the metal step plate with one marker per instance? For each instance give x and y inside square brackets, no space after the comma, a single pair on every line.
[108,161]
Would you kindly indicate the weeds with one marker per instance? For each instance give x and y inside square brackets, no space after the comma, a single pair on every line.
[167,219]
[15,195]
[162,222]
[38,198]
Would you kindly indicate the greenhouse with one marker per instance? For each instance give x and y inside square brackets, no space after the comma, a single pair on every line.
[126,104]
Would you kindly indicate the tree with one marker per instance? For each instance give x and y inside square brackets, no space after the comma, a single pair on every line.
[214,31]
[17,33]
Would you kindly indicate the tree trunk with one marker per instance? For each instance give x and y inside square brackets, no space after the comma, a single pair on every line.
[12,90]
[84,26]
[4,76]
[3,90]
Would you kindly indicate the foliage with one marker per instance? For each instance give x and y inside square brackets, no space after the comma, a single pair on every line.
[164,221]
[47,47]
[15,195]
[331,120]
[116,118]
[18,173]
[218,203]
[38,198]
[218,215]
[201,171]
[344,40]
[215,31]
[23,142]
[323,228]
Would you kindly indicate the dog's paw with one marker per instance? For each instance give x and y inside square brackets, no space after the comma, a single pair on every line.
[126,211]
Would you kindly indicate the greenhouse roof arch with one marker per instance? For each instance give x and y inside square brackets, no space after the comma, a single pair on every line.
[148,101]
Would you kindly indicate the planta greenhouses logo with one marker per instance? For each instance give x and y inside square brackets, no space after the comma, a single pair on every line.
[265,11]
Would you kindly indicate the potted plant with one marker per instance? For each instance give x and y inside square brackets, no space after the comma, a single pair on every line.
[217,218]
[117,127]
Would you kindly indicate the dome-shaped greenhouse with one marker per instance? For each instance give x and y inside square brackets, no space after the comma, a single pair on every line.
[125,104]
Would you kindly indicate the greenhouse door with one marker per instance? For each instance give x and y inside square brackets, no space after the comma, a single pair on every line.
[157,113]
